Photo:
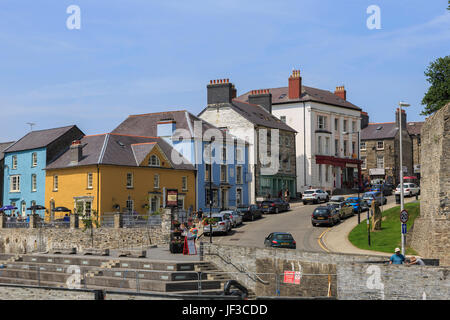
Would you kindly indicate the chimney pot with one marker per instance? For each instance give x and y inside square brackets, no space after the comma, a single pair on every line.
[295,85]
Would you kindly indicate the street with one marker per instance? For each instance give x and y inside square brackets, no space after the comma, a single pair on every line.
[297,221]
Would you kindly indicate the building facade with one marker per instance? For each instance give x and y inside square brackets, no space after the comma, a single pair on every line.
[3,146]
[326,146]
[380,150]
[114,173]
[213,152]
[25,161]
[272,169]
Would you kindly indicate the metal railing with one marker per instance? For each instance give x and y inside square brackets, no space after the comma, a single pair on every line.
[17,224]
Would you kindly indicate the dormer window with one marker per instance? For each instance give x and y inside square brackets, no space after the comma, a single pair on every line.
[154,161]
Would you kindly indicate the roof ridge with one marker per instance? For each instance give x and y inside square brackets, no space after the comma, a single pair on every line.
[150,113]
[132,135]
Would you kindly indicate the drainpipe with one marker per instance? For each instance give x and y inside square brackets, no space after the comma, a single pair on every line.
[304,145]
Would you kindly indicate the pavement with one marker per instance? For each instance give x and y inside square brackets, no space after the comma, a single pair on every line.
[336,239]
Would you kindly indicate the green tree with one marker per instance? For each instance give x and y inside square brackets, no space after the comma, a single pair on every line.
[438,95]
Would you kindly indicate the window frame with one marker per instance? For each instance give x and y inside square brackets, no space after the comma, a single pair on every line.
[184,183]
[90,180]
[55,183]
[156,178]
[14,163]
[17,183]
[157,162]
[378,142]
[34,160]
[130,180]
[33,182]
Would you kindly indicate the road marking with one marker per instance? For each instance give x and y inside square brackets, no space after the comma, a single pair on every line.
[319,240]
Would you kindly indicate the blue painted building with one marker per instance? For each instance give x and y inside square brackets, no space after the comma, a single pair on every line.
[24,164]
[192,136]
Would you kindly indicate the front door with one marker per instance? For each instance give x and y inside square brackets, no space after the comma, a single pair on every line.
[224,198]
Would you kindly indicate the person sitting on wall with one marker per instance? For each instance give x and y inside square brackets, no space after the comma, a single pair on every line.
[417,261]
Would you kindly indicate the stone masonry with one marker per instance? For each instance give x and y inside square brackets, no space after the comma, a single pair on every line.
[431,230]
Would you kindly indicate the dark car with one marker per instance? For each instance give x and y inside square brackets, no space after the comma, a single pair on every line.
[250,212]
[274,206]
[325,215]
[387,190]
[280,240]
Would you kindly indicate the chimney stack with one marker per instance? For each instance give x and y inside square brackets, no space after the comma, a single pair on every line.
[295,85]
[403,119]
[220,91]
[341,92]
[76,152]
[261,97]
[364,119]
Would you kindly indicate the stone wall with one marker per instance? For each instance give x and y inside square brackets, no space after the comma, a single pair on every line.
[21,240]
[262,270]
[353,277]
[431,230]
[392,282]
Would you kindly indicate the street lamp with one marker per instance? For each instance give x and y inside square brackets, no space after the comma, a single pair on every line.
[402,203]
[359,182]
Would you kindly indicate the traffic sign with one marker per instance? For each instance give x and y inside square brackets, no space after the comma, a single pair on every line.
[404,228]
[404,216]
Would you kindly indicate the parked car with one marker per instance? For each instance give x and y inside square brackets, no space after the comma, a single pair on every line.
[221,223]
[409,189]
[374,196]
[315,196]
[280,240]
[356,202]
[344,209]
[251,212]
[236,217]
[325,215]
[274,206]
[387,191]
[336,199]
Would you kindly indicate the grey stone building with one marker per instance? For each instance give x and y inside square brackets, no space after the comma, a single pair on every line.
[253,122]
[380,150]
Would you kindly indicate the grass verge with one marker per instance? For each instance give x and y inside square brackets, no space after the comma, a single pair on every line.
[389,237]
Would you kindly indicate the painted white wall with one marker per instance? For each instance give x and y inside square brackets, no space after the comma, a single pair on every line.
[306,126]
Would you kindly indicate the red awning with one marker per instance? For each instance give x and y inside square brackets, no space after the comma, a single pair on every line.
[404,178]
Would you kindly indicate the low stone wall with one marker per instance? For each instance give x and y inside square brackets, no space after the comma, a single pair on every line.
[353,277]
[261,270]
[28,240]
[392,282]
[41,240]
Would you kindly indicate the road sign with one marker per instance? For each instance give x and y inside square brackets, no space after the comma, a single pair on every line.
[404,228]
[404,216]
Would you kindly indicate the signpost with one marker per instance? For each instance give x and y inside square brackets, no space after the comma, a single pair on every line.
[404,230]
[293,277]
[404,216]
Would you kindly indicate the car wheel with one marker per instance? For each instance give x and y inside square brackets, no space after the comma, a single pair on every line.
[304,203]
[253,217]
[313,224]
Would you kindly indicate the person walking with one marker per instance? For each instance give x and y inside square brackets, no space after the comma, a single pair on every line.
[200,214]
[397,257]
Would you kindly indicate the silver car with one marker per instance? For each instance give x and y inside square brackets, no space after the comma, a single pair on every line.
[222,224]
[235,217]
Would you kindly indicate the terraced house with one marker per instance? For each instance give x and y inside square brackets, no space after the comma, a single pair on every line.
[25,161]
[254,123]
[3,146]
[326,146]
[212,151]
[118,173]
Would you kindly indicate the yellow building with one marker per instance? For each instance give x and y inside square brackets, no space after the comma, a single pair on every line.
[118,173]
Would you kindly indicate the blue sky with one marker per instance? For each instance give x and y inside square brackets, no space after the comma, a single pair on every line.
[140,56]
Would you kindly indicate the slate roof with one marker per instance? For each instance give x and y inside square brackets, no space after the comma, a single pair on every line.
[116,149]
[146,124]
[258,115]
[378,131]
[38,139]
[414,128]
[3,146]
[280,96]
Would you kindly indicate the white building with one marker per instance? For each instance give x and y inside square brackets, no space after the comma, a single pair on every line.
[327,140]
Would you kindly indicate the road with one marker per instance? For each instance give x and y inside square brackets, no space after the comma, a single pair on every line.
[297,221]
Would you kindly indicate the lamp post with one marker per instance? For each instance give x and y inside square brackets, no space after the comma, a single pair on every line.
[210,191]
[359,182]
[402,203]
